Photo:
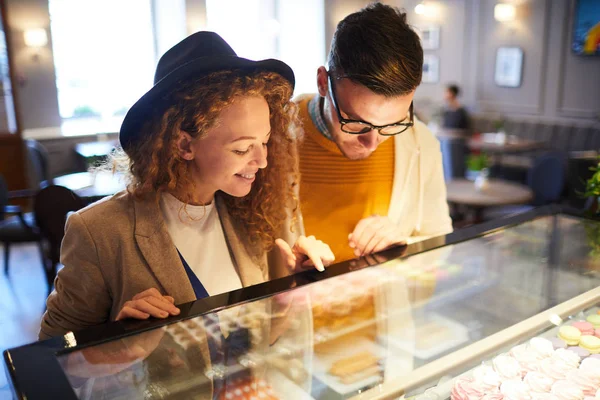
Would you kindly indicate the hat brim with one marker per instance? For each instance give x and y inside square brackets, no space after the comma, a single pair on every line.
[156,100]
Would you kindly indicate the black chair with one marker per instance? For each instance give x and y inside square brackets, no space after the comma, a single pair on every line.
[37,156]
[18,228]
[454,154]
[546,178]
[51,207]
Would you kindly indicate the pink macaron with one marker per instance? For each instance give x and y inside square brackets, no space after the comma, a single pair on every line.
[597,332]
[585,327]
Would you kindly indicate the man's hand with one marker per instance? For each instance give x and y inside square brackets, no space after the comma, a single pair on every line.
[374,234]
[308,252]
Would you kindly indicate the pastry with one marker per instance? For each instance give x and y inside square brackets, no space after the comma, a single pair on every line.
[584,380]
[358,376]
[487,378]
[590,343]
[538,382]
[580,351]
[353,364]
[543,396]
[558,343]
[246,389]
[515,390]
[507,367]
[584,327]
[568,357]
[541,347]
[556,369]
[591,364]
[466,389]
[594,319]
[569,334]
[566,390]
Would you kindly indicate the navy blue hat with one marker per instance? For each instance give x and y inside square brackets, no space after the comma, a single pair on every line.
[195,56]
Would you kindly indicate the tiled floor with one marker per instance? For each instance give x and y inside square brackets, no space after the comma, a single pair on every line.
[22,302]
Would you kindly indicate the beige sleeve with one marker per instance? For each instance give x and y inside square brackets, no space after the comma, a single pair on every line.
[80,297]
[436,215]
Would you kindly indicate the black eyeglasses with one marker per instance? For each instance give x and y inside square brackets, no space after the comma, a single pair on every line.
[356,127]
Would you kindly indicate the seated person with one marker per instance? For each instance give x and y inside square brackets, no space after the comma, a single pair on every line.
[211,204]
[455,116]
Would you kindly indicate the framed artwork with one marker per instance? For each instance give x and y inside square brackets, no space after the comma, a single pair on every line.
[430,36]
[509,67]
[586,28]
[431,68]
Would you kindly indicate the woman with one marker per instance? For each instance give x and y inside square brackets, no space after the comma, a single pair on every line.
[211,206]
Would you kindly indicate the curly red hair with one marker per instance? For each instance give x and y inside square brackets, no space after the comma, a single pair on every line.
[155,165]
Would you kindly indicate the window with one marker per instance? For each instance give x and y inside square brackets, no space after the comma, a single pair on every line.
[104,56]
[292,31]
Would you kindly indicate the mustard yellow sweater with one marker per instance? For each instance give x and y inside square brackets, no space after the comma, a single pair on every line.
[336,193]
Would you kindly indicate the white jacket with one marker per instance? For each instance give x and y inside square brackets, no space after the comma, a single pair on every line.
[418,202]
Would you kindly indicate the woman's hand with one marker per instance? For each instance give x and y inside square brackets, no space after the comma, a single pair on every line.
[148,303]
[307,252]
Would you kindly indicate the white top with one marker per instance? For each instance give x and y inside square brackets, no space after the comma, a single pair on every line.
[198,235]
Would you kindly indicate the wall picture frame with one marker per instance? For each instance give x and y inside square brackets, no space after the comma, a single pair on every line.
[430,36]
[509,67]
[431,68]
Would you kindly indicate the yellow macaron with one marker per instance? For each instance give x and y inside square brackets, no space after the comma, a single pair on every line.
[569,334]
[590,343]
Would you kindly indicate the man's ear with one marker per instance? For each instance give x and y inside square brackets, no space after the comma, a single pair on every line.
[184,146]
[322,81]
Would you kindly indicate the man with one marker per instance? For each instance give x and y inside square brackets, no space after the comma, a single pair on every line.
[455,115]
[371,172]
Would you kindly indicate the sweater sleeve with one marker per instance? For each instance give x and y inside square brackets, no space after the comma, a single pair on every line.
[80,297]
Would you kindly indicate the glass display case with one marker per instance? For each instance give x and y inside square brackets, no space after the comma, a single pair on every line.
[407,322]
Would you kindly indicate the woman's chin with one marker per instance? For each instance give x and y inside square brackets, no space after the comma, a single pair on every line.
[237,192]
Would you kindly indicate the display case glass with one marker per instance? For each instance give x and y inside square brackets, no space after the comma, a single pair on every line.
[377,327]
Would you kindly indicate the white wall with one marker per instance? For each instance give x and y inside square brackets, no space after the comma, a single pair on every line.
[557,85]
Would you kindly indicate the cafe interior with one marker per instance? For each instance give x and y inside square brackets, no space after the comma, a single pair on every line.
[511,91]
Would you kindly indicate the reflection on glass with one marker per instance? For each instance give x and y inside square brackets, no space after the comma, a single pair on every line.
[339,337]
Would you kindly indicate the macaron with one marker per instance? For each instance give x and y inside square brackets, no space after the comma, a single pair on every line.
[558,343]
[569,334]
[590,343]
[597,333]
[580,351]
[594,319]
[584,327]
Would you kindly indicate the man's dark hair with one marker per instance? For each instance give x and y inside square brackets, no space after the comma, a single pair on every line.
[454,89]
[375,47]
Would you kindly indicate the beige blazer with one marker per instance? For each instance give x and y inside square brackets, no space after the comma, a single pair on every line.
[119,246]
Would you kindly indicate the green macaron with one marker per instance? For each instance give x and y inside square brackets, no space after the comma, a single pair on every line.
[594,319]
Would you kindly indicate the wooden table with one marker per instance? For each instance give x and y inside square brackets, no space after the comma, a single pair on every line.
[497,193]
[512,144]
[92,186]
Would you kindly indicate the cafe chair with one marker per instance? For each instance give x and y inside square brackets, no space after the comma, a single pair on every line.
[51,207]
[15,225]
[454,153]
[37,157]
[546,178]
